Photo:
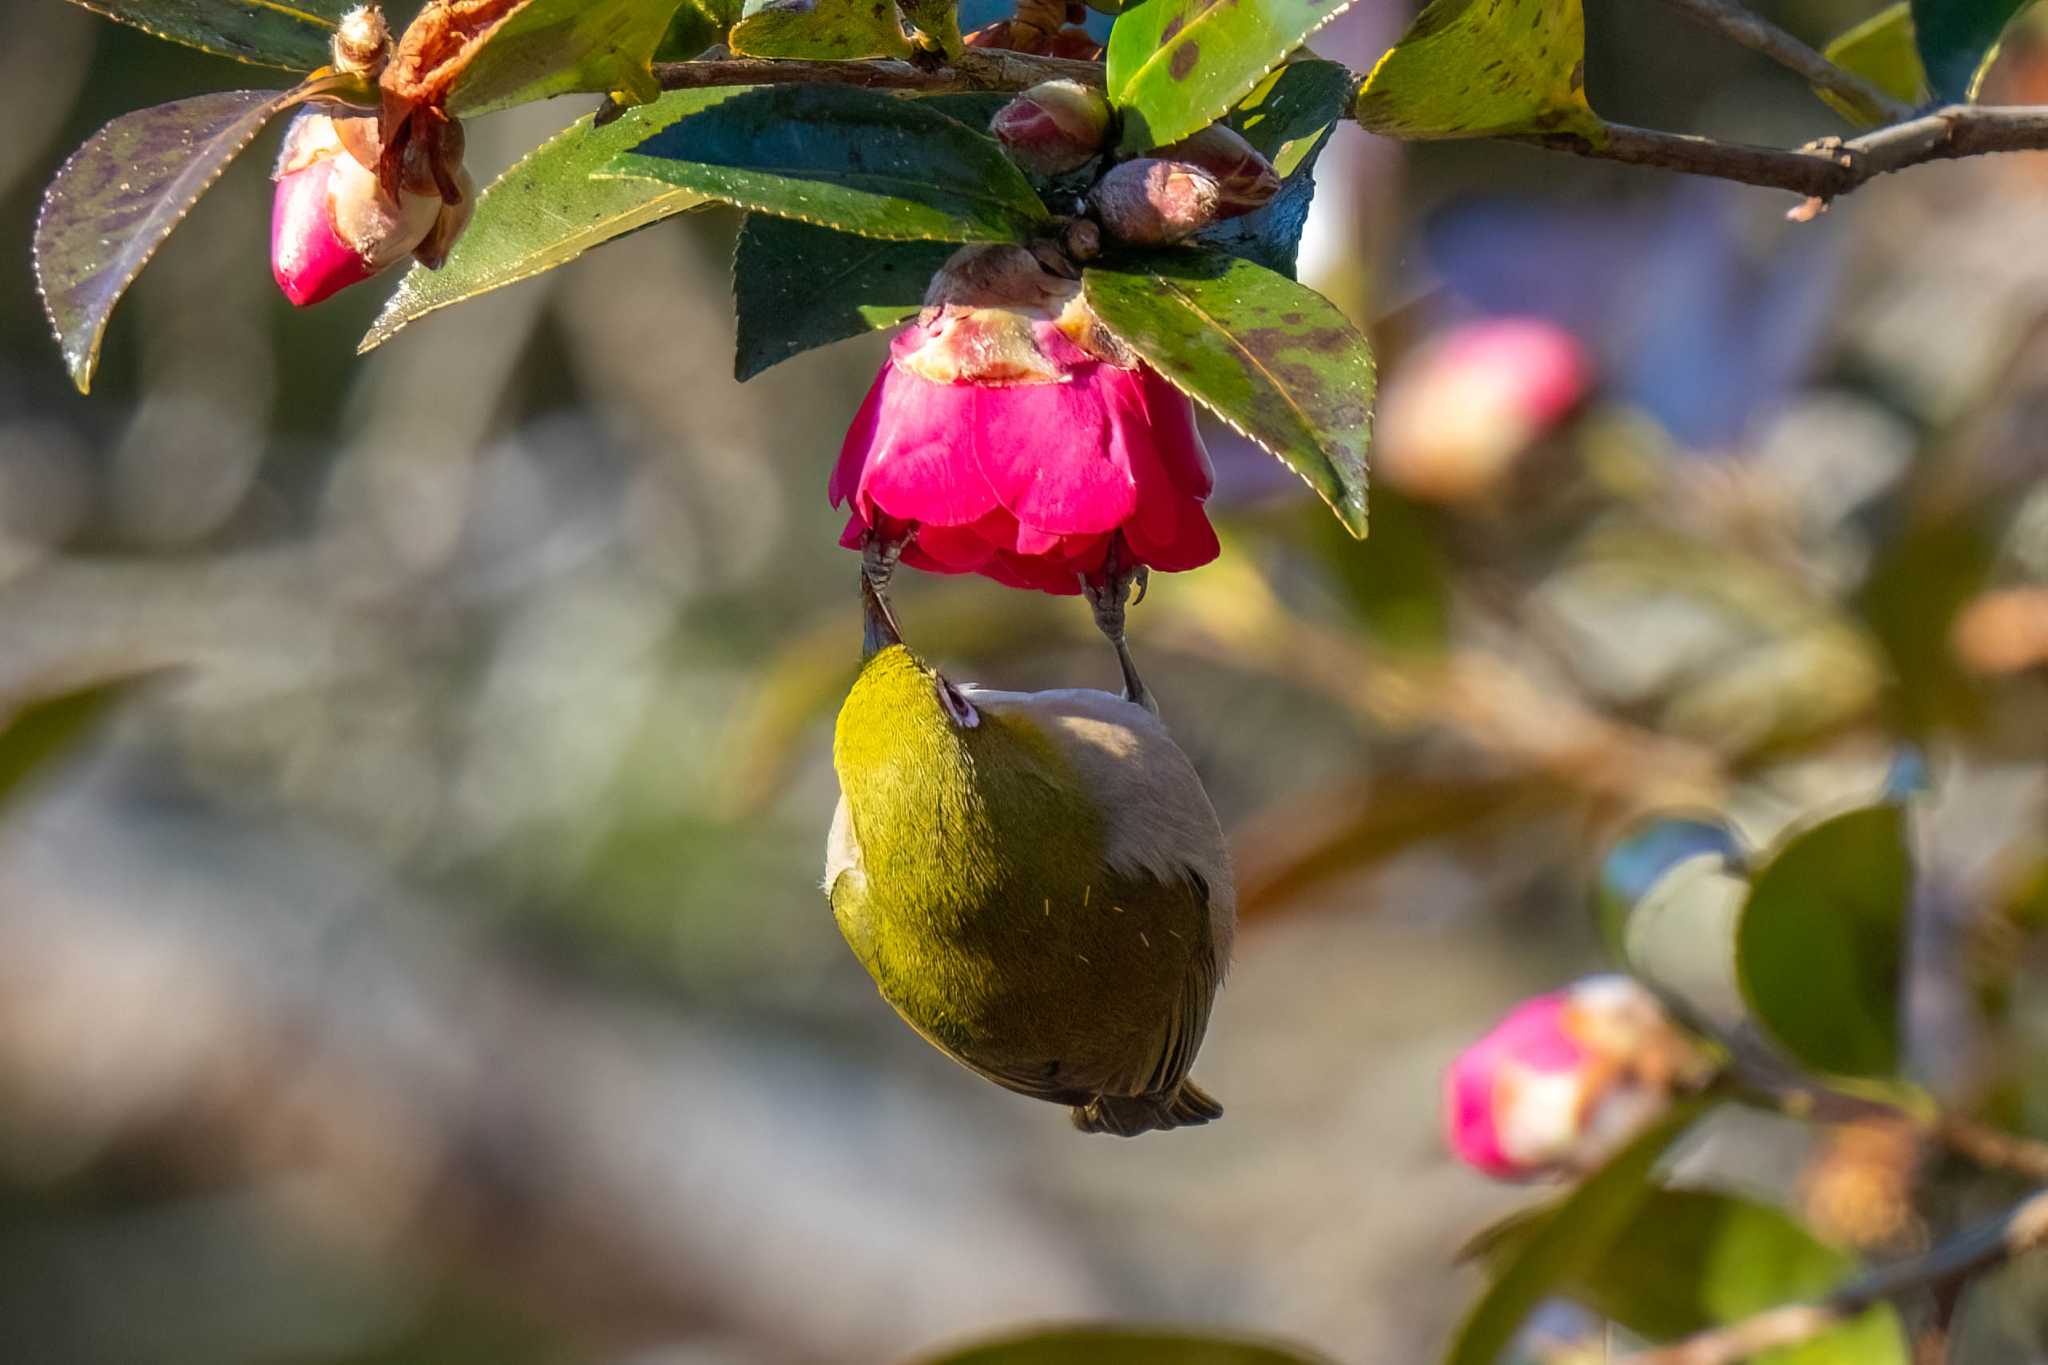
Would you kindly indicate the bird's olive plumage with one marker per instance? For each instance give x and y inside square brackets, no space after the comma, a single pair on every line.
[1038,885]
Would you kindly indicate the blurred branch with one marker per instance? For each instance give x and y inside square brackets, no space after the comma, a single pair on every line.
[1945,1269]
[1760,35]
[1826,169]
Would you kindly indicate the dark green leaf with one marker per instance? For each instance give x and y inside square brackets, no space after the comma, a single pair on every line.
[1566,1247]
[821,30]
[47,726]
[1480,68]
[1690,1260]
[1957,39]
[1820,948]
[562,47]
[295,35]
[1124,1346]
[1647,856]
[1289,118]
[1273,358]
[1178,65]
[796,287]
[1882,50]
[1286,114]
[546,210]
[856,160]
[111,205]
[1914,592]
[695,26]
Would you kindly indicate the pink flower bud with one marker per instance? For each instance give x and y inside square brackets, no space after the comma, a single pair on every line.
[331,225]
[1054,127]
[1566,1079]
[1456,416]
[1245,180]
[1150,202]
[1016,441]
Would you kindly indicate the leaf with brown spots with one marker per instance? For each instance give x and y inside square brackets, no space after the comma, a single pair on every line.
[1273,358]
[1484,68]
[821,30]
[1178,65]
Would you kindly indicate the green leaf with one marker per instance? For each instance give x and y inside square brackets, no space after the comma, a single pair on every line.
[48,725]
[821,30]
[1883,51]
[695,26]
[1539,1256]
[1123,1346]
[1287,114]
[856,160]
[796,287]
[1273,358]
[561,47]
[1648,856]
[1689,1260]
[1957,39]
[293,34]
[546,210]
[1821,944]
[110,206]
[1177,65]
[1482,68]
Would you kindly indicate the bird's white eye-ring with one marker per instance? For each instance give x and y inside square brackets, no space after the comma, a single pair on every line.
[957,706]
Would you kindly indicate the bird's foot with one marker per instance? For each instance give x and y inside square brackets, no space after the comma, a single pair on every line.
[1108,595]
[878,559]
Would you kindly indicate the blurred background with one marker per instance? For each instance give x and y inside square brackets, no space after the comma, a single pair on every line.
[432,966]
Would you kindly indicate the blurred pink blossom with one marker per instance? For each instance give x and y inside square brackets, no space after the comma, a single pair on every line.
[1566,1079]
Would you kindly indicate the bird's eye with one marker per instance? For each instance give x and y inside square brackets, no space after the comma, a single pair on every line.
[960,710]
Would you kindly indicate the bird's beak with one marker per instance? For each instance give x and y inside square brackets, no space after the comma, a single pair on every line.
[877,621]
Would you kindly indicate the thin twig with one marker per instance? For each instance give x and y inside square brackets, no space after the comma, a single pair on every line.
[1827,169]
[975,69]
[1947,1267]
[1760,35]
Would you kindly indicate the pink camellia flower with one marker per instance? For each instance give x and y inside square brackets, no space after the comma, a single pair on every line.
[332,225]
[1458,413]
[1007,435]
[1566,1079]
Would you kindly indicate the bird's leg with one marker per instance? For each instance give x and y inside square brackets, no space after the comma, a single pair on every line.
[878,557]
[1108,597]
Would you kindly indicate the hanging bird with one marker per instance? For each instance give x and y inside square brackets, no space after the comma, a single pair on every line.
[1036,882]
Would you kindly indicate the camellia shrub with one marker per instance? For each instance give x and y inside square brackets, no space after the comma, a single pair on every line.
[1085,245]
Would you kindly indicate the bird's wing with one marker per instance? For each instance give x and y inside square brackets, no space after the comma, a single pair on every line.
[1157,818]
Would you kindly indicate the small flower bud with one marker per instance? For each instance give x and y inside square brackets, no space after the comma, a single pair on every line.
[1566,1079]
[1150,202]
[1054,127]
[1457,416]
[362,42]
[331,225]
[1245,180]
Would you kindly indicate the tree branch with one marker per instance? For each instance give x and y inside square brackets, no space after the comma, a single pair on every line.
[1829,168]
[1760,35]
[2019,1230]
[974,69]
[1821,171]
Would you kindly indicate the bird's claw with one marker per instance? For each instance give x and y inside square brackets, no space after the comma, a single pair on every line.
[1108,598]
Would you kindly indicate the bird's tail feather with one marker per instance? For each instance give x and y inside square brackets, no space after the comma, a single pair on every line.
[1130,1115]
